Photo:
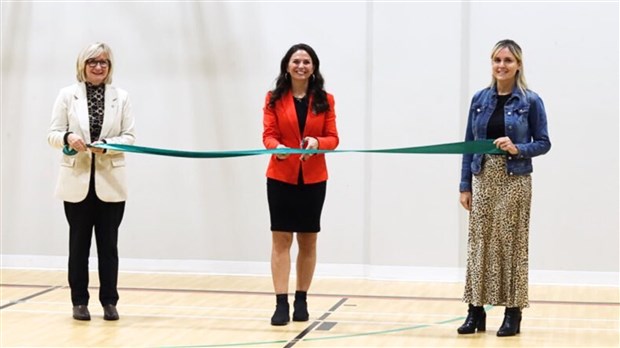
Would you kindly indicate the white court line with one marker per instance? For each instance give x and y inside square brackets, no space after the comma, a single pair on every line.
[67,313]
[444,316]
[266,319]
[129,305]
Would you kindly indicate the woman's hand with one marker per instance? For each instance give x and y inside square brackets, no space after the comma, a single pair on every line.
[282,155]
[96,149]
[76,142]
[504,143]
[466,200]
[311,144]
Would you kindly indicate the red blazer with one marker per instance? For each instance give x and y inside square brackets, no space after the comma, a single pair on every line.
[280,126]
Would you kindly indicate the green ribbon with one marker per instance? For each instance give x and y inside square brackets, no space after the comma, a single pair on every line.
[467,147]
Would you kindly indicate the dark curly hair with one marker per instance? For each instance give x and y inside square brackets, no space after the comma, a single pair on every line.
[315,84]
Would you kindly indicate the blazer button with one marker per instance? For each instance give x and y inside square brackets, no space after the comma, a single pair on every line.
[509,113]
[511,173]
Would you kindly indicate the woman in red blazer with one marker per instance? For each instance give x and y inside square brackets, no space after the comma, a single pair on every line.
[298,113]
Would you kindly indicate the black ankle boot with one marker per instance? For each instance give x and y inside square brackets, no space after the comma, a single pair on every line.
[476,319]
[281,316]
[301,307]
[512,322]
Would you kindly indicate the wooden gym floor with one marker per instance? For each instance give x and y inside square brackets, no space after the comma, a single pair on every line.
[194,310]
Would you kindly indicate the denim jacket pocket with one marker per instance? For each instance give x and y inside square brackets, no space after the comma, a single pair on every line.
[522,112]
[477,109]
[517,125]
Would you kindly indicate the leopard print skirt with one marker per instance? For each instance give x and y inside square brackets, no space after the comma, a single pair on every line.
[497,255]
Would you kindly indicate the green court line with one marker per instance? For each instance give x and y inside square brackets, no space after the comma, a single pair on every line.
[380,332]
[230,344]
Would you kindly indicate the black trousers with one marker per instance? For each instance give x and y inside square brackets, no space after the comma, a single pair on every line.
[105,218]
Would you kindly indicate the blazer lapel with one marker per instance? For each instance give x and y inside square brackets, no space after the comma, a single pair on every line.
[311,122]
[291,113]
[81,110]
[110,111]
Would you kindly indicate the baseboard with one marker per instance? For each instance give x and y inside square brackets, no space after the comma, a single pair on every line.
[398,273]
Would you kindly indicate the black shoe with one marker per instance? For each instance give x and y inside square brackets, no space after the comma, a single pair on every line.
[300,312]
[512,322]
[280,316]
[300,306]
[80,312]
[476,319]
[110,312]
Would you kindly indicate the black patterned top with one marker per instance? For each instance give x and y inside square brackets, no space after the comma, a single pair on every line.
[95,95]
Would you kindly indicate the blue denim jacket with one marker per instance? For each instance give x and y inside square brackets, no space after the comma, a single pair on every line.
[526,125]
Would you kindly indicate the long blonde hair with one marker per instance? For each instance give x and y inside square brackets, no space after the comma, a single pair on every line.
[515,49]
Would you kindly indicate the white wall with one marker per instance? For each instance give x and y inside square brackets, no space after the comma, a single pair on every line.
[402,75]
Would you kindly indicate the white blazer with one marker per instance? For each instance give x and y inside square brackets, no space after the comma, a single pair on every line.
[70,114]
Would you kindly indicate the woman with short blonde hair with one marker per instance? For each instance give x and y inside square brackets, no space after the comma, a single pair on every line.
[91,181]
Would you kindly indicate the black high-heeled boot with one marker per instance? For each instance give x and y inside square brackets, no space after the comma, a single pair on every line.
[476,319]
[512,322]
[300,312]
[281,316]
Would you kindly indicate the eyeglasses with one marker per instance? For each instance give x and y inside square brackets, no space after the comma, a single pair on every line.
[93,63]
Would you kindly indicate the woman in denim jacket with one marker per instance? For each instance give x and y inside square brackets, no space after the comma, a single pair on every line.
[496,190]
